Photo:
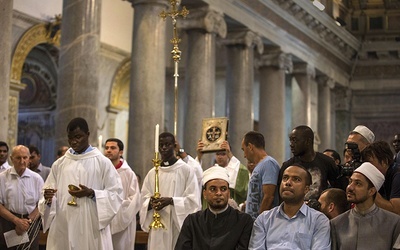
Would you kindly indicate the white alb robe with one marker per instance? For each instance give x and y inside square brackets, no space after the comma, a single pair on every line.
[179,182]
[123,226]
[85,226]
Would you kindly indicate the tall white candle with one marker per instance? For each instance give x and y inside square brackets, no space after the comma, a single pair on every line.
[156,138]
[100,146]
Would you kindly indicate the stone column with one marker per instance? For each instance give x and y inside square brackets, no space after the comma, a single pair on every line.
[302,95]
[273,66]
[147,89]
[325,85]
[202,26]
[6,12]
[78,67]
[240,81]
[343,98]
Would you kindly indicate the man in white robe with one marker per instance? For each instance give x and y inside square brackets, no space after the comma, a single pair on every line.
[86,225]
[123,226]
[179,196]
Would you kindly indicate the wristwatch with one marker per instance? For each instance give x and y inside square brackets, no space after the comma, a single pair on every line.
[181,151]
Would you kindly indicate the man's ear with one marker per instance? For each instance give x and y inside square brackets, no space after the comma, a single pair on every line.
[331,207]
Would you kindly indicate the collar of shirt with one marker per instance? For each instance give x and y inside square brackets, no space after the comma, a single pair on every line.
[219,212]
[119,164]
[90,148]
[302,210]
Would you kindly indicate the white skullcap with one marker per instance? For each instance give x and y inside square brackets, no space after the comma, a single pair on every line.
[215,173]
[365,132]
[372,173]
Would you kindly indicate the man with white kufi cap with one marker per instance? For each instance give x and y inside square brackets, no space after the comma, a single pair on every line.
[219,226]
[366,226]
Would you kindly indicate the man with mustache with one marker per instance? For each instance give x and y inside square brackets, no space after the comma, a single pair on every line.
[219,226]
[293,224]
[366,226]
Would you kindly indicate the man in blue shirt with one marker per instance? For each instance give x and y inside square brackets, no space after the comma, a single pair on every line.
[292,225]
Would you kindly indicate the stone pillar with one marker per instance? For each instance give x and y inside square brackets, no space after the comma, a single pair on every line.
[78,67]
[147,89]
[202,25]
[302,95]
[240,81]
[343,98]
[273,66]
[6,12]
[325,85]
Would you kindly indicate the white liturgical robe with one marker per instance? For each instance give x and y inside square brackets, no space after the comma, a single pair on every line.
[179,182]
[85,226]
[123,226]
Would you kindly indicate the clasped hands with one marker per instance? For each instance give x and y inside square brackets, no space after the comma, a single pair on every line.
[159,203]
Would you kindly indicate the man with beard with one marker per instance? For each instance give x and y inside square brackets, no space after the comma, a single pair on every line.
[333,202]
[219,226]
[34,163]
[123,225]
[322,168]
[3,156]
[98,196]
[179,196]
[293,224]
[366,226]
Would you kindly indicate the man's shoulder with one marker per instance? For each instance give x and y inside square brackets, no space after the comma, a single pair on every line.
[268,161]
[341,218]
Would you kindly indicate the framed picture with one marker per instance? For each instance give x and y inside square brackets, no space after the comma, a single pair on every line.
[215,131]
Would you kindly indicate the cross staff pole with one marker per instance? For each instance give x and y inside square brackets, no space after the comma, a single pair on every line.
[176,53]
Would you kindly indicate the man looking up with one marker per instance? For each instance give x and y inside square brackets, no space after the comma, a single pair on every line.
[35,165]
[238,174]
[292,225]
[3,156]
[219,226]
[85,226]
[20,190]
[179,196]
[123,225]
[366,226]
[262,192]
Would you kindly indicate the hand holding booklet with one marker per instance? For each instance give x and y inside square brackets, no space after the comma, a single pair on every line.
[13,239]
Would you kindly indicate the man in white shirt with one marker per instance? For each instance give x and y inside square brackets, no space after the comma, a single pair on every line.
[3,156]
[20,190]
[123,226]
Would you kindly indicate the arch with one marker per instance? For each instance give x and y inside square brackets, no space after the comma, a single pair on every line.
[40,33]
[119,95]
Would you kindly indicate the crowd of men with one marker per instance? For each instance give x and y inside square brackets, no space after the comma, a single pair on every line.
[92,200]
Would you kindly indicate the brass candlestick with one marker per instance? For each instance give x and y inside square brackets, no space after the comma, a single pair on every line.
[156,224]
[73,202]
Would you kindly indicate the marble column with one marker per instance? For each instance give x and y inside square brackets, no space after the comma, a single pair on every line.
[147,89]
[202,27]
[78,67]
[303,114]
[6,12]
[240,82]
[273,67]
[343,98]
[325,84]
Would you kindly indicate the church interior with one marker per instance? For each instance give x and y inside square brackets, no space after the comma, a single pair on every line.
[266,65]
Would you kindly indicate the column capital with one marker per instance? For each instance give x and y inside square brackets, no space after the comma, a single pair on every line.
[161,2]
[206,19]
[244,37]
[325,81]
[304,68]
[276,59]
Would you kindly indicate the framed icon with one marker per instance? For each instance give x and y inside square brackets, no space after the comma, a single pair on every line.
[215,131]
